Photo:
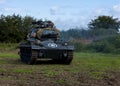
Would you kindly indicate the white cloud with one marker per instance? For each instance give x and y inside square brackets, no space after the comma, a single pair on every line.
[115,11]
[10,11]
[99,11]
[59,10]
[13,10]
[81,18]
[116,8]
[2,1]
[65,24]
[54,10]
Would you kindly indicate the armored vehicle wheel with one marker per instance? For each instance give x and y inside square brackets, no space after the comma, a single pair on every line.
[69,58]
[28,56]
[66,60]
[33,57]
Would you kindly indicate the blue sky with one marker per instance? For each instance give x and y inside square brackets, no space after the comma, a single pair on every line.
[64,13]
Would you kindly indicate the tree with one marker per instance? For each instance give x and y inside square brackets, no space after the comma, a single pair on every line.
[105,22]
[14,28]
[27,25]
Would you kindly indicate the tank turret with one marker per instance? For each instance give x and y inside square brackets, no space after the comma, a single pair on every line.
[44,42]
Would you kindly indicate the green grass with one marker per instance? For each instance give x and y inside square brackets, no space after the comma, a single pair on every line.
[3,70]
[8,47]
[61,81]
[22,71]
[51,73]
[8,55]
[94,64]
[97,61]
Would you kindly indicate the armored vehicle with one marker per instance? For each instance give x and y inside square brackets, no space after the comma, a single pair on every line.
[44,43]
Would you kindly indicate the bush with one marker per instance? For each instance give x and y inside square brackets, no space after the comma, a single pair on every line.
[102,46]
[78,46]
[107,45]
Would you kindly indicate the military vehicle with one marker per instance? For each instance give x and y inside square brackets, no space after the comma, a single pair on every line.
[44,42]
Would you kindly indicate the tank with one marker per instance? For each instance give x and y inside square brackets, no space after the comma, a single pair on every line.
[44,42]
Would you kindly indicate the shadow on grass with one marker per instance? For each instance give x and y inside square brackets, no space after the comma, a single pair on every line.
[38,62]
[46,62]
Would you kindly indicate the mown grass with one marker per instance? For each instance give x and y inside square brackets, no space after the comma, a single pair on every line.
[94,64]
[8,55]
[8,47]
[98,61]
[97,64]
[16,70]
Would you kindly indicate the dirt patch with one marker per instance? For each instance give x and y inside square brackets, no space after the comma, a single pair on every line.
[63,79]
[47,73]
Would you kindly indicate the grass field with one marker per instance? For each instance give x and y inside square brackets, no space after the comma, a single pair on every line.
[86,69]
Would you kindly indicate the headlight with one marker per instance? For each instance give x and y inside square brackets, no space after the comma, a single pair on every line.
[66,44]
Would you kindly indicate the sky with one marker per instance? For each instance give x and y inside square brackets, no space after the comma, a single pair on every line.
[65,14]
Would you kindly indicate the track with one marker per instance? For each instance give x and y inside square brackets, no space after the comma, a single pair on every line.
[69,57]
[27,55]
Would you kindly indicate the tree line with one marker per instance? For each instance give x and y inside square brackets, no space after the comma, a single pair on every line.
[102,31]
[101,27]
[102,35]
[14,28]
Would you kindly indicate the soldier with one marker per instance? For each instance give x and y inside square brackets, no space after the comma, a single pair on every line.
[37,25]
[52,27]
[49,25]
[40,26]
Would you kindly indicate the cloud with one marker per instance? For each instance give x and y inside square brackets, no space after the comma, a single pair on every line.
[115,11]
[65,24]
[60,10]
[78,18]
[54,10]
[2,1]
[75,17]
[116,8]
[10,11]
[99,11]
[13,10]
